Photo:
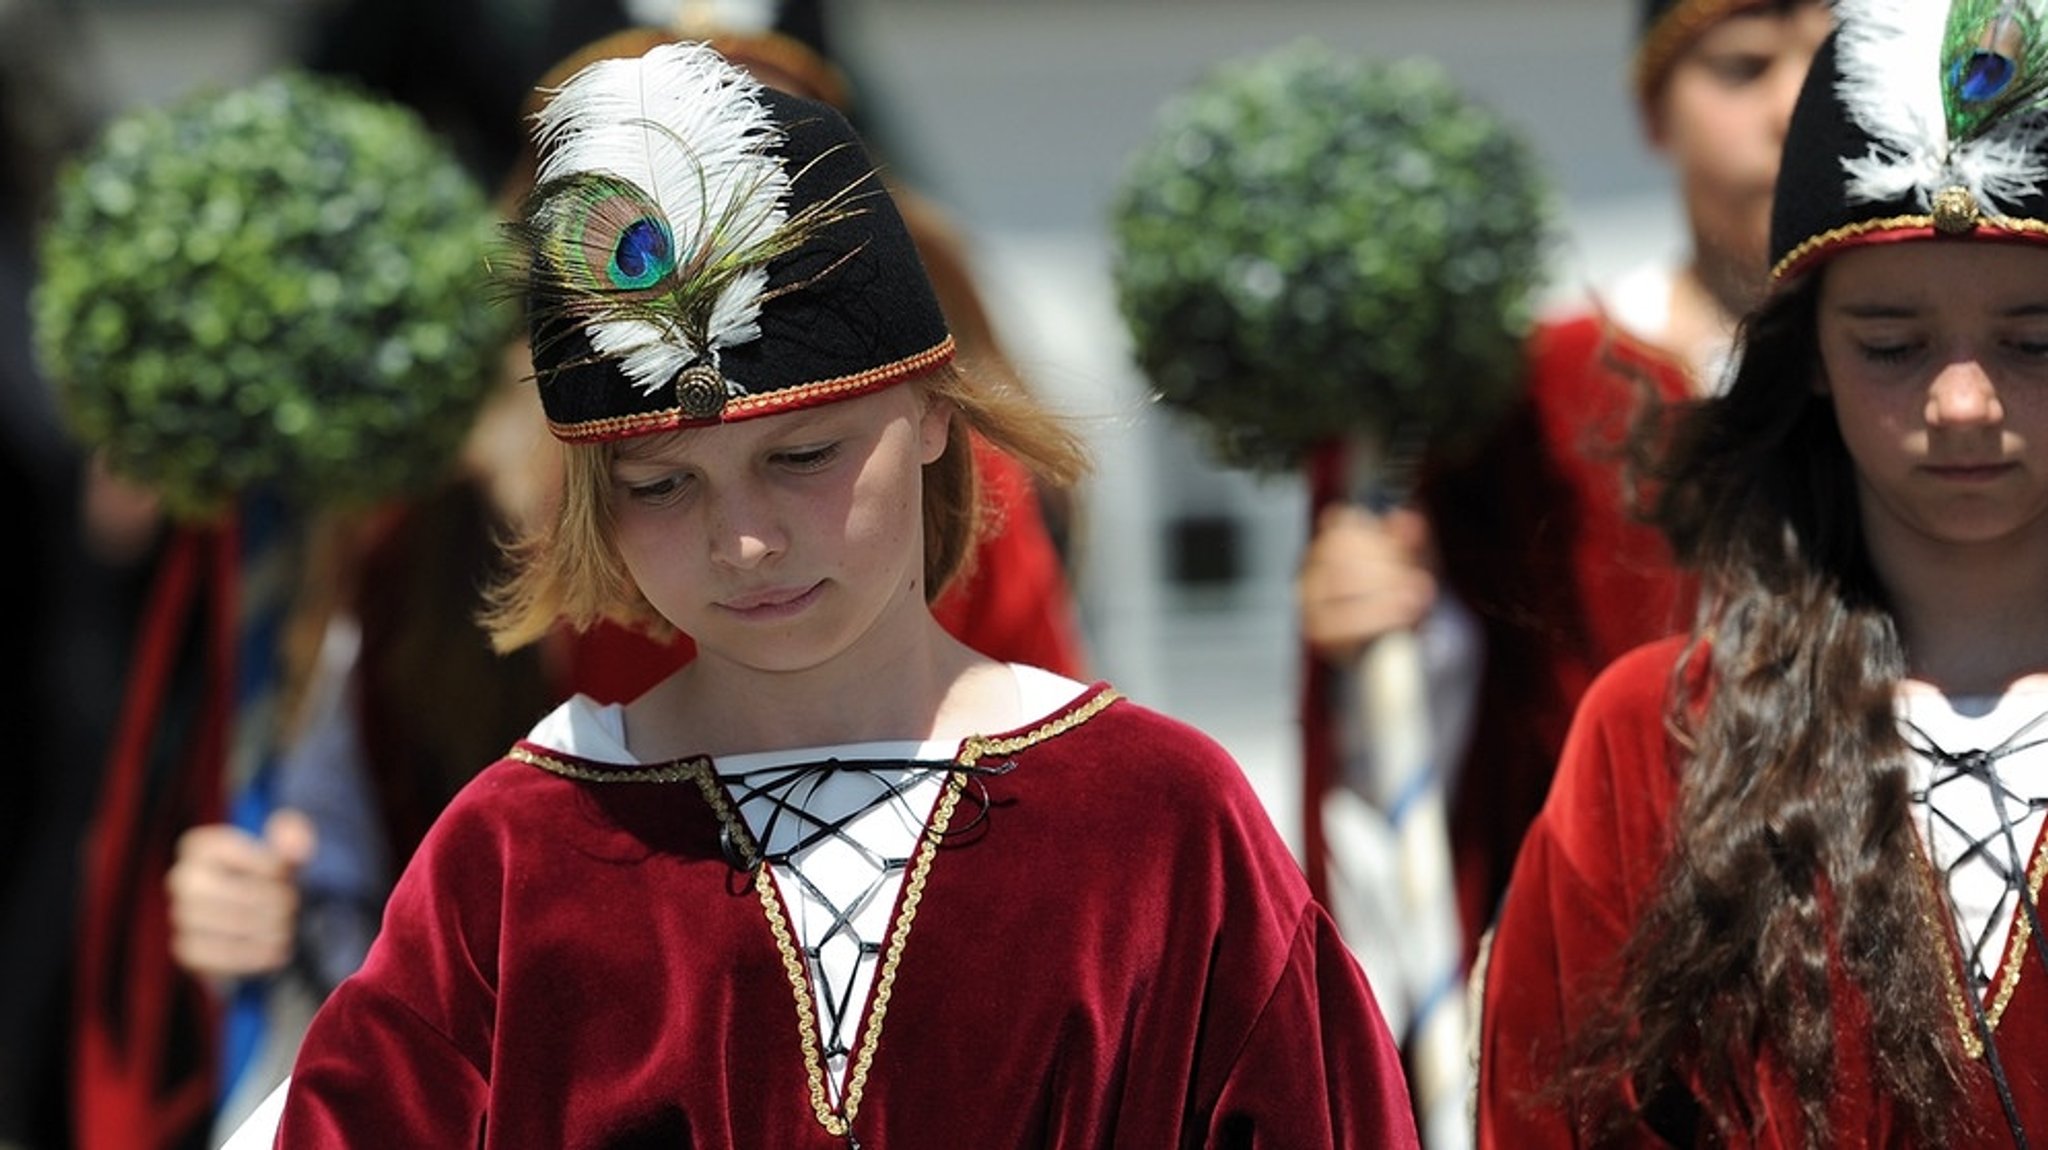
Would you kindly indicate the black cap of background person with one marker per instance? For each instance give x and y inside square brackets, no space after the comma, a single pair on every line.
[715,251]
[1917,121]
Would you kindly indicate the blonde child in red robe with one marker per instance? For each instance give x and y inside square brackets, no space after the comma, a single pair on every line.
[841,880]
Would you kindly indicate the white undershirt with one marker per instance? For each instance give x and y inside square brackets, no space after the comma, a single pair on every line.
[1639,302]
[1958,813]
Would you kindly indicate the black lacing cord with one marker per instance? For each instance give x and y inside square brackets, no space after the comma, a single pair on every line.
[789,789]
[1981,765]
[766,782]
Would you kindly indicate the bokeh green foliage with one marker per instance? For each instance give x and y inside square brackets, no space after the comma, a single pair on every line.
[1312,246]
[282,285]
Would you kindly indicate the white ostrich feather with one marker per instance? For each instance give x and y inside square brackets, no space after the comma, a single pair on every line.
[690,131]
[1890,85]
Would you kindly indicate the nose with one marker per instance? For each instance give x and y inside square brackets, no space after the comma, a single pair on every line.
[743,526]
[1963,395]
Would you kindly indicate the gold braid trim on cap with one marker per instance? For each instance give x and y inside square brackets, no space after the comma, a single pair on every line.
[1673,33]
[767,403]
[1864,231]
[844,387]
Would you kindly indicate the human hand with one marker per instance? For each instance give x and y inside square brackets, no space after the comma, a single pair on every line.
[1363,576]
[119,518]
[235,897]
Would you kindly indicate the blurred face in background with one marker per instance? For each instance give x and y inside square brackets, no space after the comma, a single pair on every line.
[1719,119]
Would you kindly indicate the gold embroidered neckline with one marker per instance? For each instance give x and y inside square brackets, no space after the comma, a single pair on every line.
[699,770]
[2006,979]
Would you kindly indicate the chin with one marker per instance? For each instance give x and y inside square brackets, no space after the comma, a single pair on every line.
[780,655]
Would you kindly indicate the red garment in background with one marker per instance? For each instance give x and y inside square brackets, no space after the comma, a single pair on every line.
[1536,539]
[1013,604]
[142,1067]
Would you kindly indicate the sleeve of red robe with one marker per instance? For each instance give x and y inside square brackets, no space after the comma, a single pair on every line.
[1585,869]
[418,1063]
[1307,1075]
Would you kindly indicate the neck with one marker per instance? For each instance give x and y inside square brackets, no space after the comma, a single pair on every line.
[920,684]
[1970,616]
[1732,281]
[1708,299]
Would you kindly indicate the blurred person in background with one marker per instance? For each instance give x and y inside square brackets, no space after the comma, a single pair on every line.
[82,544]
[387,620]
[1524,565]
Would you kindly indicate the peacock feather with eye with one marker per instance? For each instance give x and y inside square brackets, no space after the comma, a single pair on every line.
[1994,62]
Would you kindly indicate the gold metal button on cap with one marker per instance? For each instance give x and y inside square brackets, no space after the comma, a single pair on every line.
[1955,210]
[700,391]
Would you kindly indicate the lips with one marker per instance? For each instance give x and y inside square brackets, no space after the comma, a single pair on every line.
[771,601]
[1969,472]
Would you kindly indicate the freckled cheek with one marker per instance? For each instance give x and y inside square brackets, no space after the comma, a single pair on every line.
[880,524]
[648,542]
[886,524]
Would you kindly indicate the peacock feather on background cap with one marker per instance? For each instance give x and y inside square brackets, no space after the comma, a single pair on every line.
[1952,96]
[658,205]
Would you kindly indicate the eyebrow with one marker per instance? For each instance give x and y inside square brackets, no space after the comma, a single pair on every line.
[1896,311]
[804,421]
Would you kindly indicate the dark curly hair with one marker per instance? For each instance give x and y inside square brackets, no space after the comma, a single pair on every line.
[1792,829]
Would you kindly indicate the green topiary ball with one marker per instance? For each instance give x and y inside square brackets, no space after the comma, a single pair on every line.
[1312,246]
[280,286]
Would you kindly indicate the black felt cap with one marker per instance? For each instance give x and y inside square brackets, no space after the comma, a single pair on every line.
[1819,210]
[849,311]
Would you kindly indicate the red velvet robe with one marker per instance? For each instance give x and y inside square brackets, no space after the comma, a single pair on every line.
[1586,871]
[1117,951]
[1535,537]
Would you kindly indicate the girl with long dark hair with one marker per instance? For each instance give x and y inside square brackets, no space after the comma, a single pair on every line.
[1784,892]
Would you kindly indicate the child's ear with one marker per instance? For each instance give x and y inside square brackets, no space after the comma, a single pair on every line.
[1651,121]
[934,430]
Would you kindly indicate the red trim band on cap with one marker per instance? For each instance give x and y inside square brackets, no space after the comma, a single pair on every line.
[1898,229]
[755,406]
